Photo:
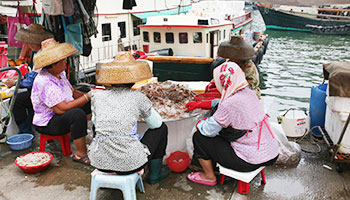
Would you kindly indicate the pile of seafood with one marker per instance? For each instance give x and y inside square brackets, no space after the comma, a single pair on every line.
[33,159]
[168,98]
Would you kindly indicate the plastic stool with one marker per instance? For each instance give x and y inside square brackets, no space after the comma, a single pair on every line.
[63,139]
[243,178]
[126,183]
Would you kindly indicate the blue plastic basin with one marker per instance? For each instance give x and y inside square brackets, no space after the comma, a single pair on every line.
[20,141]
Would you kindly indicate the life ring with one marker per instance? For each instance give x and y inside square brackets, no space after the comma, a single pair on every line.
[266,10]
[255,58]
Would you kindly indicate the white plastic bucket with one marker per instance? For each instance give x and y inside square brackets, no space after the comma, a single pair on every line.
[295,123]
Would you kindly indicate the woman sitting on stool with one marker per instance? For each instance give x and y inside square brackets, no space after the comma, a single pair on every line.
[250,144]
[117,147]
[58,108]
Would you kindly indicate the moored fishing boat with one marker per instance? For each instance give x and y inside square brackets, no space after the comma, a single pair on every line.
[186,45]
[320,19]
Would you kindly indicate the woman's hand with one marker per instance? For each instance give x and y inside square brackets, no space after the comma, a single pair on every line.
[76,103]
[10,82]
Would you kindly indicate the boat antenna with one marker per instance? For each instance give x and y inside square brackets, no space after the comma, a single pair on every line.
[178,11]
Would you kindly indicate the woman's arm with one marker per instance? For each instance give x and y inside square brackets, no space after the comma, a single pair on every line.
[154,120]
[77,93]
[209,127]
[64,106]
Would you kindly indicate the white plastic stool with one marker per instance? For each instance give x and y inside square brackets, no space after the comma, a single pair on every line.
[243,178]
[126,183]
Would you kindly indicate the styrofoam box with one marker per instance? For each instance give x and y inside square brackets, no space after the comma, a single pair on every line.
[178,132]
[339,104]
[334,125]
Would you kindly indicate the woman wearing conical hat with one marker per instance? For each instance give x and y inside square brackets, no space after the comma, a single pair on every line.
[236,51]
[23,108]
[241,52]
[116,110]
[58,108]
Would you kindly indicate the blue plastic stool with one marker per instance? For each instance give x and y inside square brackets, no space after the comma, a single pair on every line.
[126,183]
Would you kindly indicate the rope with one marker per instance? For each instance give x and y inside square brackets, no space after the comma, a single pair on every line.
[312,139]
[3,125]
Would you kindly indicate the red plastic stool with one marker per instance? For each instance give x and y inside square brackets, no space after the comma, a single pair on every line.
[63,139]
[243,178]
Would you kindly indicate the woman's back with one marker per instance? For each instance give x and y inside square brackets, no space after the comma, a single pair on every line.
[116,112]
[244,111]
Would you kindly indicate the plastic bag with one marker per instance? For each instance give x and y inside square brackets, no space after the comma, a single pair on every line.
[11,73]
[73,35]
[289,152]
[14,24]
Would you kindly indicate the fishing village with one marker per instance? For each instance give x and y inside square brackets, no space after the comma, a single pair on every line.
[174,99]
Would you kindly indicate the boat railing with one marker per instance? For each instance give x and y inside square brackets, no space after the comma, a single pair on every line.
[325,16]
[241,19]
[107,52]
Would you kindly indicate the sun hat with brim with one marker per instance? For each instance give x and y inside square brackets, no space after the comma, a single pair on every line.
[34,34]
[236,48]
[123,69]
[52,52]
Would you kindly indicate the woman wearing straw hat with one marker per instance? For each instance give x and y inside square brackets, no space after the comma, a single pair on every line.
[241,52]
[237,51]
[250,145]
[23,108]
[117,147]
[33,36]
[58,108]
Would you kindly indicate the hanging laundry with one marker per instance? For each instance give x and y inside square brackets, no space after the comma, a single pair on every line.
[128,4]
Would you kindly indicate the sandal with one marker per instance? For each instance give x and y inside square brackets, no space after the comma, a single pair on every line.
[194,177]
[83,160]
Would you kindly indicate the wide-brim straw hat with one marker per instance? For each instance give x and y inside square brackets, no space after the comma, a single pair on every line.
[52,52]
[34,34]
[236,48]
[123,69]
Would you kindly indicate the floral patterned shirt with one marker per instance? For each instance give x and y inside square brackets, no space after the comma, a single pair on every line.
[47,92]
[115,115]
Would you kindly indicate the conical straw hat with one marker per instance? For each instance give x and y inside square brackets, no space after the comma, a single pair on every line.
[34,34]
[123,69]
[236,48]
[51,52]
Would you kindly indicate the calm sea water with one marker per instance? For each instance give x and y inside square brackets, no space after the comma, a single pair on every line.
[293,64]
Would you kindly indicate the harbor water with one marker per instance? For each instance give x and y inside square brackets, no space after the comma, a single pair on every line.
[293,64]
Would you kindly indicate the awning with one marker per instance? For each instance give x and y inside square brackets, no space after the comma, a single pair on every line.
[303,2]
[144,15]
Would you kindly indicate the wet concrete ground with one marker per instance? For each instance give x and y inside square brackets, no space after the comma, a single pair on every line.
[65,180]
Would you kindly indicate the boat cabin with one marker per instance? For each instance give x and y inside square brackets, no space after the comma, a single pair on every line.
[199,32]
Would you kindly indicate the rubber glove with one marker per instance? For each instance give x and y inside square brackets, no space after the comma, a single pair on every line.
[206,105]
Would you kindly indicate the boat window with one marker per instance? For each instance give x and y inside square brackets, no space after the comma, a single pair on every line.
[219,35]
[183,38]
[135,24]
[156,37]
[223,36]
[207,37]
[169,37]
[145,36]
[121,26]
[197,37]
[203,22]
[106,32]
